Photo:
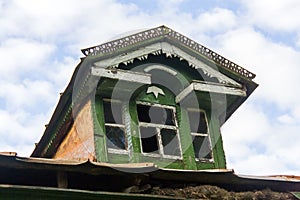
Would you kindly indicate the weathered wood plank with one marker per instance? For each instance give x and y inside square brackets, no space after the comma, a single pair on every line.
[122,75]
[205,87]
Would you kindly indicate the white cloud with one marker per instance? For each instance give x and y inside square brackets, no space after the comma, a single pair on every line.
[216,20]
[27,95]
[40,47]
[276,65]
[19,131]
[286,119]
[21,55]
[281,15]
[255,144]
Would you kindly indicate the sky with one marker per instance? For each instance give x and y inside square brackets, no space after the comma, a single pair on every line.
[40,43]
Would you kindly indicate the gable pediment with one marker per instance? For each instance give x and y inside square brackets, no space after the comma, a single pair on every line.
[163,34]
[168,50]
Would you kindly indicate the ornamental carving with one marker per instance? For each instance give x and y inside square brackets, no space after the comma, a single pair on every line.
[160,32]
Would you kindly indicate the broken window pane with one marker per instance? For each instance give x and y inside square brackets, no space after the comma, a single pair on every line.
[115,137]
[112,112]
[114,127]
[155,114]
[202,147]
[158,130]
[200,134]
[149,139]
[170,142]
[198,122]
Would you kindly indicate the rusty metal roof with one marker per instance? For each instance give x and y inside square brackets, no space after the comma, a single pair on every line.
[165,32]
[145,171]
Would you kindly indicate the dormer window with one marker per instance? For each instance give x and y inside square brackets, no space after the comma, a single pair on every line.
[114,126]
[200,134]
[158,130]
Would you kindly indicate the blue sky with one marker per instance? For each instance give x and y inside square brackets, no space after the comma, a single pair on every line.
[40,44]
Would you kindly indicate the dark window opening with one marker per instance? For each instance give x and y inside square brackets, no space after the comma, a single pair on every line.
[200,135]
[115,137]
[198,122]
[149,140]
[170,142]
[202,147]
[155,115]
[112,112]
[158,130]
[114,126]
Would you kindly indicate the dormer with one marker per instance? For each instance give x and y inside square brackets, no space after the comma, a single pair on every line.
[154,96]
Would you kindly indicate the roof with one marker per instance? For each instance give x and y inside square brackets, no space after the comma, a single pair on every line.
[38,192]
[165,32]
[13,167]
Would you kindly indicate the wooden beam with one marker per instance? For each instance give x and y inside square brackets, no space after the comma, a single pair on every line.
[123,75]
[62,179]
[213,88]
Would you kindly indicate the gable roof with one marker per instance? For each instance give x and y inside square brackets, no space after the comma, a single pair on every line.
[161,33]
[160,40]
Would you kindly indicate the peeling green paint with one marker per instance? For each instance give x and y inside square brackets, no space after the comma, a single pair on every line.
[99,129]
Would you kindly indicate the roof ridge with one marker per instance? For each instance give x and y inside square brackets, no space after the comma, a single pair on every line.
[164,31]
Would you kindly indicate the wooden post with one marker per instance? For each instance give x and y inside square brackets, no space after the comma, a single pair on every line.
[62,179]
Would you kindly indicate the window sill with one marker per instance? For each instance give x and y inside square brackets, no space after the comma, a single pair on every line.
[205,160]
[117,151]
[162,156]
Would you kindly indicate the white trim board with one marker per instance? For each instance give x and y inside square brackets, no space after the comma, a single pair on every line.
[170,51]
[204,87]
[123,75]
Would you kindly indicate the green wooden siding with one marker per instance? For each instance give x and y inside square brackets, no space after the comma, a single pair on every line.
[201,100]
[99,129]
[135,154]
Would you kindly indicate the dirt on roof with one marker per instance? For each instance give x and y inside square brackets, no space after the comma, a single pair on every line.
[206,192]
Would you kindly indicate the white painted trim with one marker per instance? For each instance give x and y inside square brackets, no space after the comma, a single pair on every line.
[115,125]
[169,50]
[160,67]
[112,100]
[118,151]
[219,89]
[184,93]
[155,104]
[122,75]
[197,64]
[140,54]
[206,87]
[156,91]
[158,155]
[160,126]
[199,134]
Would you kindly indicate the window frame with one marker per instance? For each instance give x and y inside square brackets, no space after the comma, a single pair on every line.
[123,126]
[158,128]
[201,134]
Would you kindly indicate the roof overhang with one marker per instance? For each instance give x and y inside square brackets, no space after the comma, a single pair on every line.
[19,170]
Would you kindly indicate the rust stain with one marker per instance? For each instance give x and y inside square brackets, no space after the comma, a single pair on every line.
[287,177]
[8,153]
[79,142]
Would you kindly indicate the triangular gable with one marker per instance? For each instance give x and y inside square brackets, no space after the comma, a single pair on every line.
[164,33]
[170,51]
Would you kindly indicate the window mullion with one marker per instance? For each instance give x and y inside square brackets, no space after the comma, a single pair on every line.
[161,147]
